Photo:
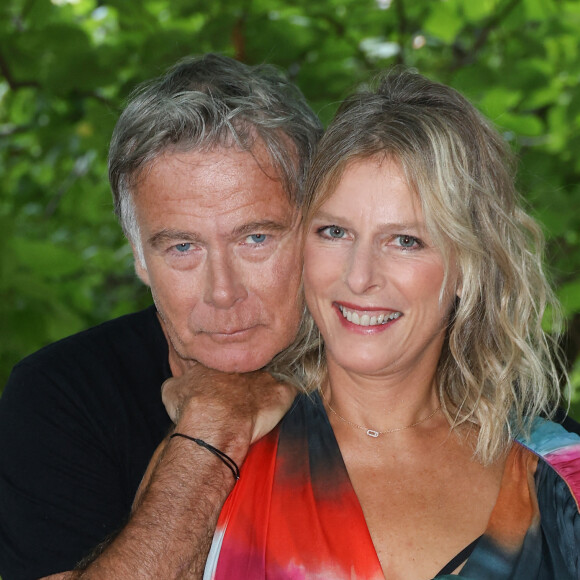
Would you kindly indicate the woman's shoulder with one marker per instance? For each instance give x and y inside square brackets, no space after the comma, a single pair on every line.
[557,486]
[557,447]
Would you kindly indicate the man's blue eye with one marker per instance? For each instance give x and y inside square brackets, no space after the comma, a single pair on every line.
[183,247]
[257,238]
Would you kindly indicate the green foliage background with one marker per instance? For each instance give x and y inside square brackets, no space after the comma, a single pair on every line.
[67,66]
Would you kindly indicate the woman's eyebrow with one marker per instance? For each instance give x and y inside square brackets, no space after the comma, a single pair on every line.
[340,220]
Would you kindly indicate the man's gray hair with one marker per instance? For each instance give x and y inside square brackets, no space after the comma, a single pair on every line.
[206,102]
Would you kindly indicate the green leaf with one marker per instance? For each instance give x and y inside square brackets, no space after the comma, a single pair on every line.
[521,124]
[475,11]
[44,258]
[444,21]
[569,295]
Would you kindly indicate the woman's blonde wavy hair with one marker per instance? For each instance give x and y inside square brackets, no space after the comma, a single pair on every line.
[498,368]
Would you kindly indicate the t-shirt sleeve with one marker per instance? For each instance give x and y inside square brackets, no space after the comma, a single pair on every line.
[60,494]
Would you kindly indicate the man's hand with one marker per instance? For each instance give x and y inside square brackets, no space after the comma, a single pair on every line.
[178,503]
[249,403]
[209,404]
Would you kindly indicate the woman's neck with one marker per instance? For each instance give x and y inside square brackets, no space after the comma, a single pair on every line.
[380,403]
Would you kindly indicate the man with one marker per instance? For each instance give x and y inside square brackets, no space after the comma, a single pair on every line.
[206,167]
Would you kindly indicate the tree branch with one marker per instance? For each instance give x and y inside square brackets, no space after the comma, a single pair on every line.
[401,30]
[12,82]
[465,58]
[571,341]
[239,39]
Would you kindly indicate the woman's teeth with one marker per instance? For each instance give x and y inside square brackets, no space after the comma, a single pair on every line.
[366,319]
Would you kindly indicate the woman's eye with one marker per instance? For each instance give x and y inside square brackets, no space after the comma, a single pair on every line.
[184,247]
[256,239]
[406,241]
[335,232]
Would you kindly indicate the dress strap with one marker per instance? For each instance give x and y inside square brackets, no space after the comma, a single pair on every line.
[459,559]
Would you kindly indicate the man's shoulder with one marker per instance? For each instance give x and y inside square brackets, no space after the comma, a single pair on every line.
[131,335]
[79,422]
[113,367]
[128,354]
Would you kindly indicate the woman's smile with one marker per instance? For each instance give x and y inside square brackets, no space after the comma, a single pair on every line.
[367,317]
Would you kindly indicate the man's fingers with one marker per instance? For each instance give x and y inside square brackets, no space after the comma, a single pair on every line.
[273,408]
[254,401]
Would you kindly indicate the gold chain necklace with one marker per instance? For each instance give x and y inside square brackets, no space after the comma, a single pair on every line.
[372,432]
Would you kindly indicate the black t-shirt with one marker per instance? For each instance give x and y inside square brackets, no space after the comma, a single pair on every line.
[79,422]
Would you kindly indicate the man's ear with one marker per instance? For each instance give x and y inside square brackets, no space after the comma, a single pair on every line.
[140,267]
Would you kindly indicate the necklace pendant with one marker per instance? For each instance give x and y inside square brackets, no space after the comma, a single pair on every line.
[372,433]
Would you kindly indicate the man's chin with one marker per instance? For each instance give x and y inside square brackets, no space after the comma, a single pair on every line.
[239,360]
[237,364]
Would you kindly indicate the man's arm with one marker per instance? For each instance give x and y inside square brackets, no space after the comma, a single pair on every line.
[176,510]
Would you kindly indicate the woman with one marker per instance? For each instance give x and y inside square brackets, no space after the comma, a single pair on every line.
[419,453]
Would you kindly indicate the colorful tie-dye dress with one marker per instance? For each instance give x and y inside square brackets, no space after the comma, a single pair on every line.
[294,515]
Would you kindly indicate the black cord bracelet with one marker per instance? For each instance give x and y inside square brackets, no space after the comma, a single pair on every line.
[232,465]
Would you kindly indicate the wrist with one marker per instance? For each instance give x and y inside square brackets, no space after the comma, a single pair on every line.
[223,457]
[230,440]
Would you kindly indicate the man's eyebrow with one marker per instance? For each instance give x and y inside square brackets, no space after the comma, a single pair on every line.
[260,226]
[161,237]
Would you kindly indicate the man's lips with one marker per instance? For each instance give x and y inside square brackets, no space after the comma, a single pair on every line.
[228,335]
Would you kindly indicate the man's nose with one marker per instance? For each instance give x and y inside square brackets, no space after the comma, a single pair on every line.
[224,281]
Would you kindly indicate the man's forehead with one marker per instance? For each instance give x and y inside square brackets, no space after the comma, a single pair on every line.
[186,191]
[199,165]
[224,155]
